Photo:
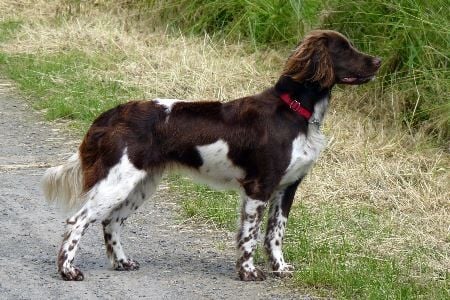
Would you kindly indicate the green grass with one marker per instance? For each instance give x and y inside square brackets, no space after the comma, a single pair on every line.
[343,263]
[339,266]
[8,28]
[205,204]
[260,21]
[63,86]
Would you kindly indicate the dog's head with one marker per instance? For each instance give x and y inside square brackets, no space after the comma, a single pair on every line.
[327,57]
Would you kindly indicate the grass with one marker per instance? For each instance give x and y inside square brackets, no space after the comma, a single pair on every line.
[7,29]
[201,203]
[347,265]
[60,84]
[412,37]
[371,221]
[338,265]
[259,21]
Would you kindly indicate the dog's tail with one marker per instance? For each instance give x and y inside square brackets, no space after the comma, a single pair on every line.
[63,184]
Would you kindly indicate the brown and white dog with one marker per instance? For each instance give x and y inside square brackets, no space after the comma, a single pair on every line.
[261,145]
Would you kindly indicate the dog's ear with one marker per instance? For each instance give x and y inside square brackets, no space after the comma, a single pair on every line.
[311,61]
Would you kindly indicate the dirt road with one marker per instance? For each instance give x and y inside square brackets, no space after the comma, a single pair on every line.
[177,261]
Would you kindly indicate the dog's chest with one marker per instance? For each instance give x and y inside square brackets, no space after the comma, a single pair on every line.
[306,148]
[305,151]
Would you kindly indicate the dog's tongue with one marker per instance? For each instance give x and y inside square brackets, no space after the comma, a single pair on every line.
[349,79]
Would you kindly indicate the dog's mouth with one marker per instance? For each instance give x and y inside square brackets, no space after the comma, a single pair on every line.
[357,80]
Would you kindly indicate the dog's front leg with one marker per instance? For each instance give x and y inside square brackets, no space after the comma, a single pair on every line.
[280,205]
[251,215]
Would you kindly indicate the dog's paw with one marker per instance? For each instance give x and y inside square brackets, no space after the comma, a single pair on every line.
[126,265]
[254,275]
[285,270]
[71,273]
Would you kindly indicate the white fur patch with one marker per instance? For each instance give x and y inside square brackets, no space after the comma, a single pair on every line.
[306,148]
[167,103]
[320,109]
[121,180]
[217,170]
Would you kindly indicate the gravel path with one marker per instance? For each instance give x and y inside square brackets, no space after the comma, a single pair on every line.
[178,261]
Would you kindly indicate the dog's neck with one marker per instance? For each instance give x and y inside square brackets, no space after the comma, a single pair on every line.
[311,95]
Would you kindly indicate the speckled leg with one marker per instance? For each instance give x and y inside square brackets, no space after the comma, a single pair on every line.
[279,210]
[251,215]
[113,223]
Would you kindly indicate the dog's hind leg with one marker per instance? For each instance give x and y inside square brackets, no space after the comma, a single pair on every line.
[104,196]
[113,222]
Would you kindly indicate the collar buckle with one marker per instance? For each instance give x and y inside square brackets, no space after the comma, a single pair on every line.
[296,106]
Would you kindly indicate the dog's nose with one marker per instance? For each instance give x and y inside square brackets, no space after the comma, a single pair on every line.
[376,62]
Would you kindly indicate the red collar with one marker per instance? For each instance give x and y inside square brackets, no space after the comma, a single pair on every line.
[296,106]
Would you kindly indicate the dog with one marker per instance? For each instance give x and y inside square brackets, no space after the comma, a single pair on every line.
[261,145]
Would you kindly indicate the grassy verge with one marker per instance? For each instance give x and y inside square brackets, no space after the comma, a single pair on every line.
[61,84]
[370,222]
[337,266]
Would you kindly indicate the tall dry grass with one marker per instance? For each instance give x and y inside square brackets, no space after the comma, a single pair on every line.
[369,163]
[412,37]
